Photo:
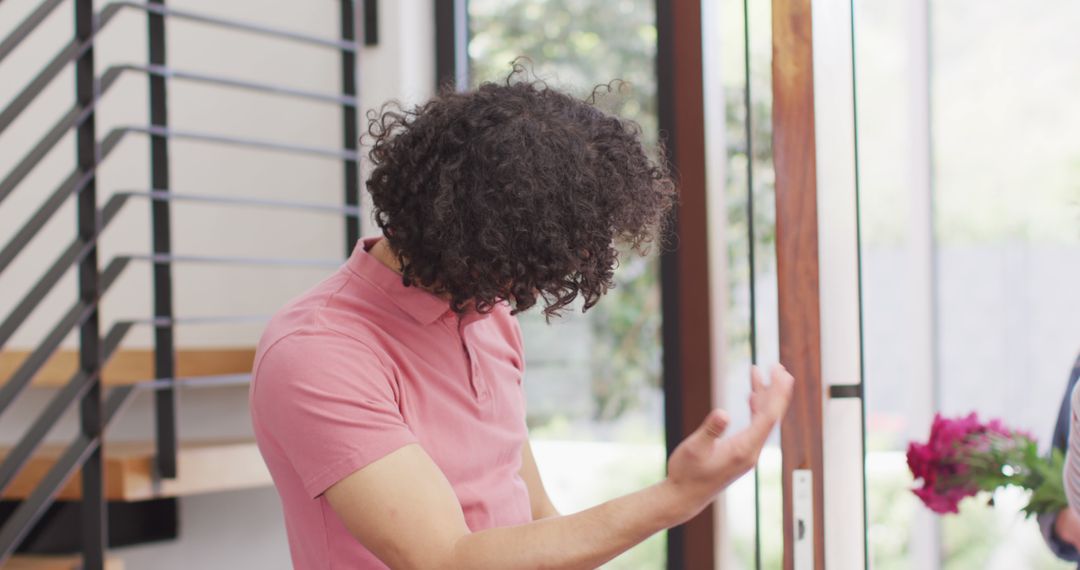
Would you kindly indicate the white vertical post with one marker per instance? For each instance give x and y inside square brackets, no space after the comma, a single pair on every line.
[926,528]
[716,200]
[401,67]
[838,247]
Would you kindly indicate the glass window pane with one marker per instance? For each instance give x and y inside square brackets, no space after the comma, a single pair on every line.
[741,170]
[969,287]
[593,380]
[1007,161]
[896,272]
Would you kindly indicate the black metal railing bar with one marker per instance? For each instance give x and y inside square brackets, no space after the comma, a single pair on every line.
[234,260]
[77,315]
[27,26]
[234,24]
[240,141]
[240,201]
[201,320]
[92,508]
[74,389]
[75,455]
[213,381]
[221,80]
[73,184]
[350,132]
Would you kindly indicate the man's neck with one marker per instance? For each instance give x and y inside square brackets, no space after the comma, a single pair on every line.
[385,255]
[382,252]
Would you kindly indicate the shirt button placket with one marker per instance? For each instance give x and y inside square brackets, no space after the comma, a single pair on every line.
[476,380]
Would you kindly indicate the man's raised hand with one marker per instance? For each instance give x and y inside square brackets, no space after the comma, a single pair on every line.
[705,463]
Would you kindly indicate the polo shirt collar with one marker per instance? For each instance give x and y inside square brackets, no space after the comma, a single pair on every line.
[421,305]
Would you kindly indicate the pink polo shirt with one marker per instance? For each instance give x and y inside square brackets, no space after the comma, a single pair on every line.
[360,366]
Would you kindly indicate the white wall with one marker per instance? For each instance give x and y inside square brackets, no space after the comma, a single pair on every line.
[227,530]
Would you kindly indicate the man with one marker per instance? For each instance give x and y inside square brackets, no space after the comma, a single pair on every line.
[387,400]
[1062,530]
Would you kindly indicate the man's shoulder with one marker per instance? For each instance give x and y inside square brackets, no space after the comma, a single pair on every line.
[338,306]
[301,334]
[309,368]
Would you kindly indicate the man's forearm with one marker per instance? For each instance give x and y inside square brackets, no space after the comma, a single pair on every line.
[582,540]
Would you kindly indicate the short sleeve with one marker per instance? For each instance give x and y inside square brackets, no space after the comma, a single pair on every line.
[330,404]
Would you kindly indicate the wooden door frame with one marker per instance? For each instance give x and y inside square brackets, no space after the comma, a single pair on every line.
[794,159]
[687,297]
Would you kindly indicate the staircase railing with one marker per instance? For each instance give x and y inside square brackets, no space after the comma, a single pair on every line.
[97,408]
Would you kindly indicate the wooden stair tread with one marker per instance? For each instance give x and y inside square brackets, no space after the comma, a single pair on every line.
[202,467]
[129,366]
[42,562]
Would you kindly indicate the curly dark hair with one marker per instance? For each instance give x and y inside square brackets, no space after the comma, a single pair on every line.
[513,191]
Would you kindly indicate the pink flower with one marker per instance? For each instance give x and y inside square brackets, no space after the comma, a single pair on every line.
[920,460]
[947,501]
[944,462]
[937,502]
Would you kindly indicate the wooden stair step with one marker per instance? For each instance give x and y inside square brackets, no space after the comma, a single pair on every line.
[202,467]
[42,562]
[129,366]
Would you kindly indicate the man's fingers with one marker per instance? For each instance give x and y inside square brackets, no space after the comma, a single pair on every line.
[781,375]
[757,379]
[770,403]
[715,424]
[781,388]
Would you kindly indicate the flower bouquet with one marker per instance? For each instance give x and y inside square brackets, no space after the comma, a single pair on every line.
[965,456]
